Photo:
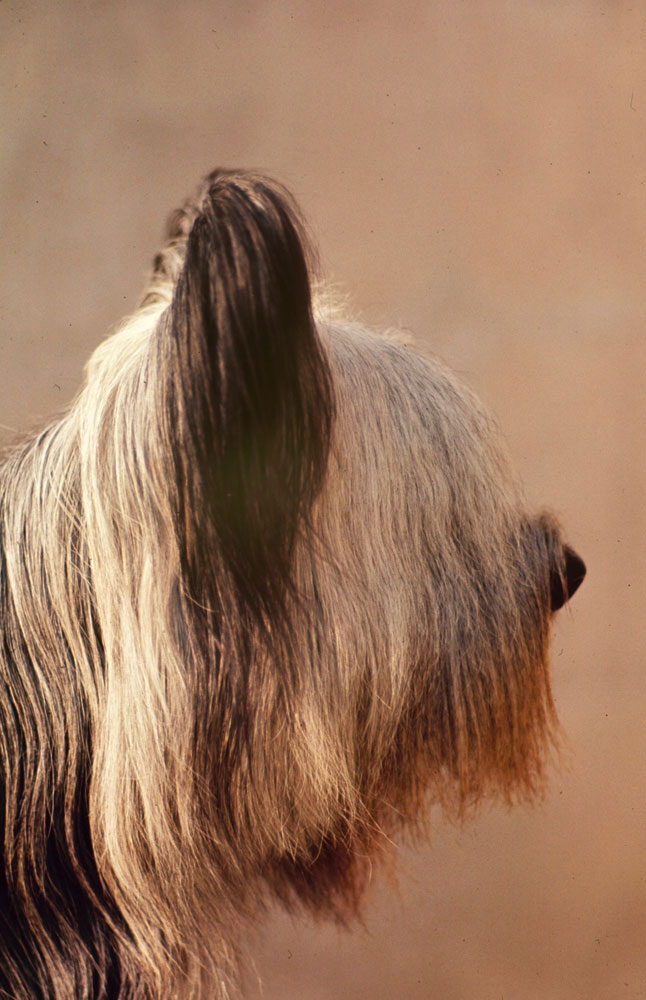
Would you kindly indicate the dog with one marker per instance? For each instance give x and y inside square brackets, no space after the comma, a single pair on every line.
[267,590]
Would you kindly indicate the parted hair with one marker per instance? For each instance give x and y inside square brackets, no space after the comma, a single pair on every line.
[267,590]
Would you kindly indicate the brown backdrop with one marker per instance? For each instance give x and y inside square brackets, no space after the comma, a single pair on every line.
[475,171]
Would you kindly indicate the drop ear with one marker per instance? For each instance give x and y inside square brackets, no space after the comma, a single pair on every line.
[567,578]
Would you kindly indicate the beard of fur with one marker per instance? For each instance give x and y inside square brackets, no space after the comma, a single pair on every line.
[170,756]
[428,651]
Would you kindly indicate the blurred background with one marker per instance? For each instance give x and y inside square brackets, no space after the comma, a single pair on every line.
[476,172]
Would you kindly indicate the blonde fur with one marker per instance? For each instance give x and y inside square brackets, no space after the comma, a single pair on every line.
[175,750]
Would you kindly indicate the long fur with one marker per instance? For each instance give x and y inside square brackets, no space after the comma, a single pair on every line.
[267,590]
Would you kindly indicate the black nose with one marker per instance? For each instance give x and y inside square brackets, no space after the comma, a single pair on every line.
[564,586]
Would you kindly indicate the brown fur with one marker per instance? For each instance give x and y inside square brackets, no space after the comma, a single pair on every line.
[266,591]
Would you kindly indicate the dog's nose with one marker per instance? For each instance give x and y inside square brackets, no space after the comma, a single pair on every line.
[563,589]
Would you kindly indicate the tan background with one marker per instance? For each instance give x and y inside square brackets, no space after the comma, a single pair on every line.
[475,171]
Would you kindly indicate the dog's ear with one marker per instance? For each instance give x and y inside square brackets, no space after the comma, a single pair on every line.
[250,401]
[567,578]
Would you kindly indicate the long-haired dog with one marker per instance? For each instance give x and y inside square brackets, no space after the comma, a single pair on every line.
[266,591]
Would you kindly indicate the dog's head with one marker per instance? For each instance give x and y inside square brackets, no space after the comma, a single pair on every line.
[352,582]
[265,591]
